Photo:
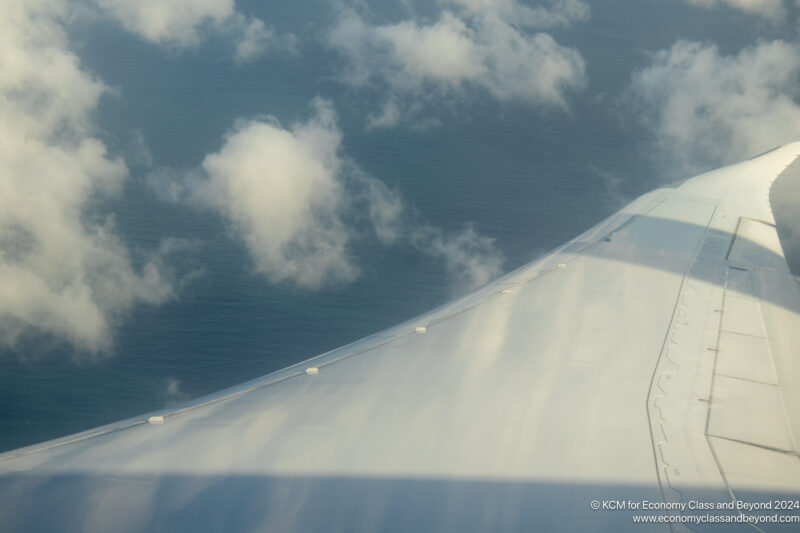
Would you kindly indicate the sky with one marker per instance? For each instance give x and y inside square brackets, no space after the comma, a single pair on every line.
[286,182]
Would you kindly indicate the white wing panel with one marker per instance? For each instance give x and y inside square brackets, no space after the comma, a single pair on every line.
[724,420]
[608,370]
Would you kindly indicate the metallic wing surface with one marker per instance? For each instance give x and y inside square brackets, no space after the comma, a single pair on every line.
[654,358]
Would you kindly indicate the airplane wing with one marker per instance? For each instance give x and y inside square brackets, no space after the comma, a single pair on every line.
[647,367]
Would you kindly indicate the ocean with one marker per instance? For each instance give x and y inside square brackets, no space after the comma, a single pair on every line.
[528,177]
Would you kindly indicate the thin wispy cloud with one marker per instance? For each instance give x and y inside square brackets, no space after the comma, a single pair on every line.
[548,14]
[704,108]
[473,45]
[771,9]
[255,39]
[182,24]
[64,272]
[173,393]
[470,259]
[299,206]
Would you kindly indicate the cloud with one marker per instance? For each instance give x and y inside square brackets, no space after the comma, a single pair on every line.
[63,271]
[444,52]
[420,65]
[279,189]
[257,39]
[179,24]
[772,9]
[471,260]
[173,23]
[556,13]
[173,393]
[705,109]
[299,205]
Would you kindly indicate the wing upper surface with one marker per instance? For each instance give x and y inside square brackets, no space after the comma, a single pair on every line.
[650,358]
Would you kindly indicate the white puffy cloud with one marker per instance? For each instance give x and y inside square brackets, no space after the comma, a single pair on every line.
[299,206]
[445,52]
[280,190]
[180,23]
[705,108]
[478,46]
[175,22]
[772,9]
[63,272]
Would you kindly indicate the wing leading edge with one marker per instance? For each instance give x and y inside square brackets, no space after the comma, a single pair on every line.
[651,358]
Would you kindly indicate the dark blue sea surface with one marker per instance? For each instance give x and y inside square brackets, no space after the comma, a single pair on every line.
[529,178]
